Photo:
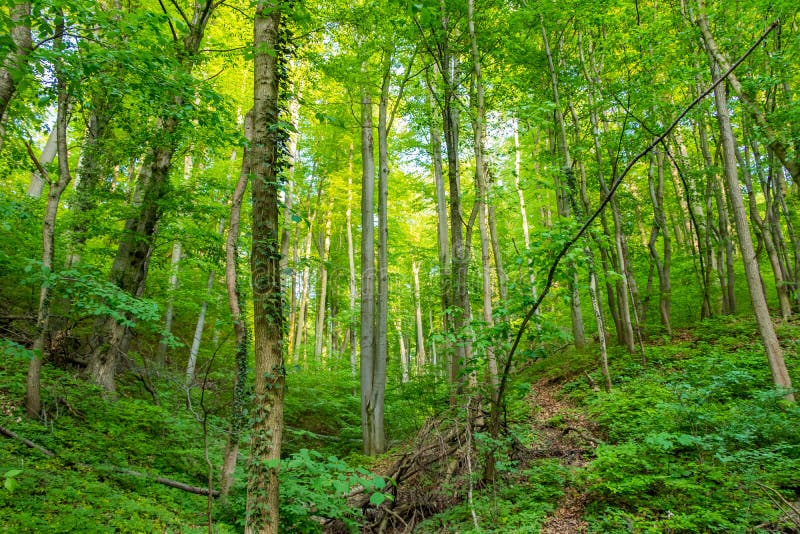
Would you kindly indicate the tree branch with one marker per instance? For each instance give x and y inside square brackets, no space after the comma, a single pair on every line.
[161,480]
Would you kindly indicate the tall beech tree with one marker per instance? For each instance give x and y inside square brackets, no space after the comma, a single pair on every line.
[264,165]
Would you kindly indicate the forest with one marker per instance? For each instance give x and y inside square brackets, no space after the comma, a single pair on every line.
[382,266]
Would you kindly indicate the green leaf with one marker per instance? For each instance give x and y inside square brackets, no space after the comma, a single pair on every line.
[377,499]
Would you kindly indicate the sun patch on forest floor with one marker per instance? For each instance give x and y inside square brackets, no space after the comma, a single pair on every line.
[567,434]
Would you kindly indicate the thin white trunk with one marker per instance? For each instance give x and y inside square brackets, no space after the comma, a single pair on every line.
[161,355]
[421,356]
[405,363]
[319,330]
[351,332]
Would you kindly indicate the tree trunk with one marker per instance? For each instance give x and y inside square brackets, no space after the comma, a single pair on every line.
[445,266]
[780,375]
[46,158]
[405,363]
[482,193]
[201,320]
[766,234]
[305,284]
[563,194]
[421,356]
[381,354]
[264,165]
[371,420]
[662,263]
[236,304]
[132,261]
[15,62]
[522,211]
[169,313]
[33,403]
[352,329]
[319,330]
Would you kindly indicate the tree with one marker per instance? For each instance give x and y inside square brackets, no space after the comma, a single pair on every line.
[33,403]
[132,261]
[777,365]
[264,165]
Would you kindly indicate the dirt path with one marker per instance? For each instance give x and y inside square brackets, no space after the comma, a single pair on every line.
[566,434]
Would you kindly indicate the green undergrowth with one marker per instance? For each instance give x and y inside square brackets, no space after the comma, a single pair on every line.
[88,486]
[697,440]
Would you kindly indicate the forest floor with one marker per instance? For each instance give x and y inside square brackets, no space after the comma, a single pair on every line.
[565,433]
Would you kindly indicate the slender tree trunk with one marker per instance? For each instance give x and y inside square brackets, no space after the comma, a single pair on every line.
[319,329]
[201,321]
[33,403]
[405,363]
[705,230]
[780,375]
[302,308]
[662,263]
[766,234]
[46,158]
[421,355]
[371,425]
[236,304]
[291,149]
[381,353]
[482,191]
[445,265]
[352,328]
[526,236]
[267,429]
[625,283]
[177,252]
[563,194]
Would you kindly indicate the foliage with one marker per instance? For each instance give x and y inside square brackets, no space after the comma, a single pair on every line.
[698,444]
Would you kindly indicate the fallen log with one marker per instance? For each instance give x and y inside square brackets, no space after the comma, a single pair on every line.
[138,474]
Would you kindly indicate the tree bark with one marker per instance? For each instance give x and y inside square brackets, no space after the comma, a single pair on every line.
[319,325]
[777,365]
[526,236]
[445,259]
[240,329]
[33,403]
[482,193]
[264,167]
[421,355]
[405,363]
[662,263]
[46,158]
[371,409]
[764,230]
[15,62]
[352,323]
